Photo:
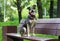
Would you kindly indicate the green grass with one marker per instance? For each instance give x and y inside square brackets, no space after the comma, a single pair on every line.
[47,36]
[0,33]
[9,23]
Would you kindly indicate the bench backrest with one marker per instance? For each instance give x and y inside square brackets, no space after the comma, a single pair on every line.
[47,26]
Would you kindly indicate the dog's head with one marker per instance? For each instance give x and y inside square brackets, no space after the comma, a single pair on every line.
[32,9]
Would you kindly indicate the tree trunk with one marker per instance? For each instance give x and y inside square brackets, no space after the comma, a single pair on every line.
[58,9]
[51,9]
[1,15]
[19,9]
[39,5]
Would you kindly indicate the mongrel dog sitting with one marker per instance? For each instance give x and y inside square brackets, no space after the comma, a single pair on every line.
[29,23]
[32,20]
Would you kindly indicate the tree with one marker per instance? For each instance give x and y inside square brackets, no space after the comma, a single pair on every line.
[1,15]
[51,8]
[19,9]
[39,5]
[58,9]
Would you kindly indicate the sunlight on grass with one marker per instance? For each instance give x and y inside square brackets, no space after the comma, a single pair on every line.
[48,36]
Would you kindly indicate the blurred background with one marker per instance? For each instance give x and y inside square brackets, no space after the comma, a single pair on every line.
[12,11]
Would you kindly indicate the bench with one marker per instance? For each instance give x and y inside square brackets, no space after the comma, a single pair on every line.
[43,26]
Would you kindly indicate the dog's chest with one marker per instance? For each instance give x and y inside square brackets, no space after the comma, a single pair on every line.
[32,22]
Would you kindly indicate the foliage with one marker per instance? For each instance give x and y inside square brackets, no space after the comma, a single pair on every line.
[55,9]
[1,11]
[12,13]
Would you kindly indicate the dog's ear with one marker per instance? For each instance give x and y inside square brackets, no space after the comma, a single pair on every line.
[28,8]
[34,6]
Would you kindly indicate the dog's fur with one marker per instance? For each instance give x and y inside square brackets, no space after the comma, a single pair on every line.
[29,22]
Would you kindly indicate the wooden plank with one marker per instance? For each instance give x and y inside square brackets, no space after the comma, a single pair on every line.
[58,32]
[46,31]
[29,38]
[51,20]
[47,26]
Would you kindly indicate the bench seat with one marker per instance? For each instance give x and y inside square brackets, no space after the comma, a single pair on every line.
[43,26]
[34,38]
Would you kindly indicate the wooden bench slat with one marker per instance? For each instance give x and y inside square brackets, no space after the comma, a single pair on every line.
[46,31]
[48,26]
[29,38]
[51,20]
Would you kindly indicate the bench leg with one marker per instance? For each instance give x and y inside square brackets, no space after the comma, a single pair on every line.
[14,39]
[59,38]
[34,40]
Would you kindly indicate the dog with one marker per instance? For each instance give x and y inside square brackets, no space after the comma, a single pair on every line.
[29,23]
[32,20]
